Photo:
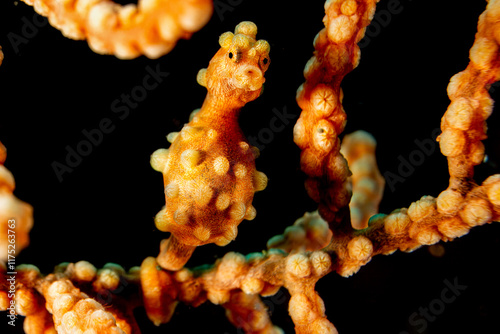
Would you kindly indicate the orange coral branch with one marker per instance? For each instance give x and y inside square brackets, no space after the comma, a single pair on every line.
[308,233]
[151,27]
[29,303]
[323,118]
[463,125]
[256,273]
[420,224]
[464,204]
[103,307]
[367,183]
[16,216]
[247,311]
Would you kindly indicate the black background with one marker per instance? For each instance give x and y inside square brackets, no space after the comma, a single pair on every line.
[53,88]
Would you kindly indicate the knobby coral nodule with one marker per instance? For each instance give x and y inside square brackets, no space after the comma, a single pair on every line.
[209,183]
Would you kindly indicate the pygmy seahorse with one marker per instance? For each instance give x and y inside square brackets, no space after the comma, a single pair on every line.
[209,170]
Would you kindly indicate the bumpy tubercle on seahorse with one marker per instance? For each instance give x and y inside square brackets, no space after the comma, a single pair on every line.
[209,170]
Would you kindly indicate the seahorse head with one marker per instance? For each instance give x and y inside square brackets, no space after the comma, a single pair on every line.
[237,69]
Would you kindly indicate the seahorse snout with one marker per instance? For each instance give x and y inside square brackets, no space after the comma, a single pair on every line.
[249,77]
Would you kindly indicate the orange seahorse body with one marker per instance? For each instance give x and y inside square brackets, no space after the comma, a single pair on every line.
[209,170]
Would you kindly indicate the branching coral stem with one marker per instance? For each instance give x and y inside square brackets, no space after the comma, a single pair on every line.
[151,27]
[323,118]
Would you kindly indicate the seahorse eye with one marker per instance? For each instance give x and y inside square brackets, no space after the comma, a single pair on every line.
[264,62]
[230,55]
